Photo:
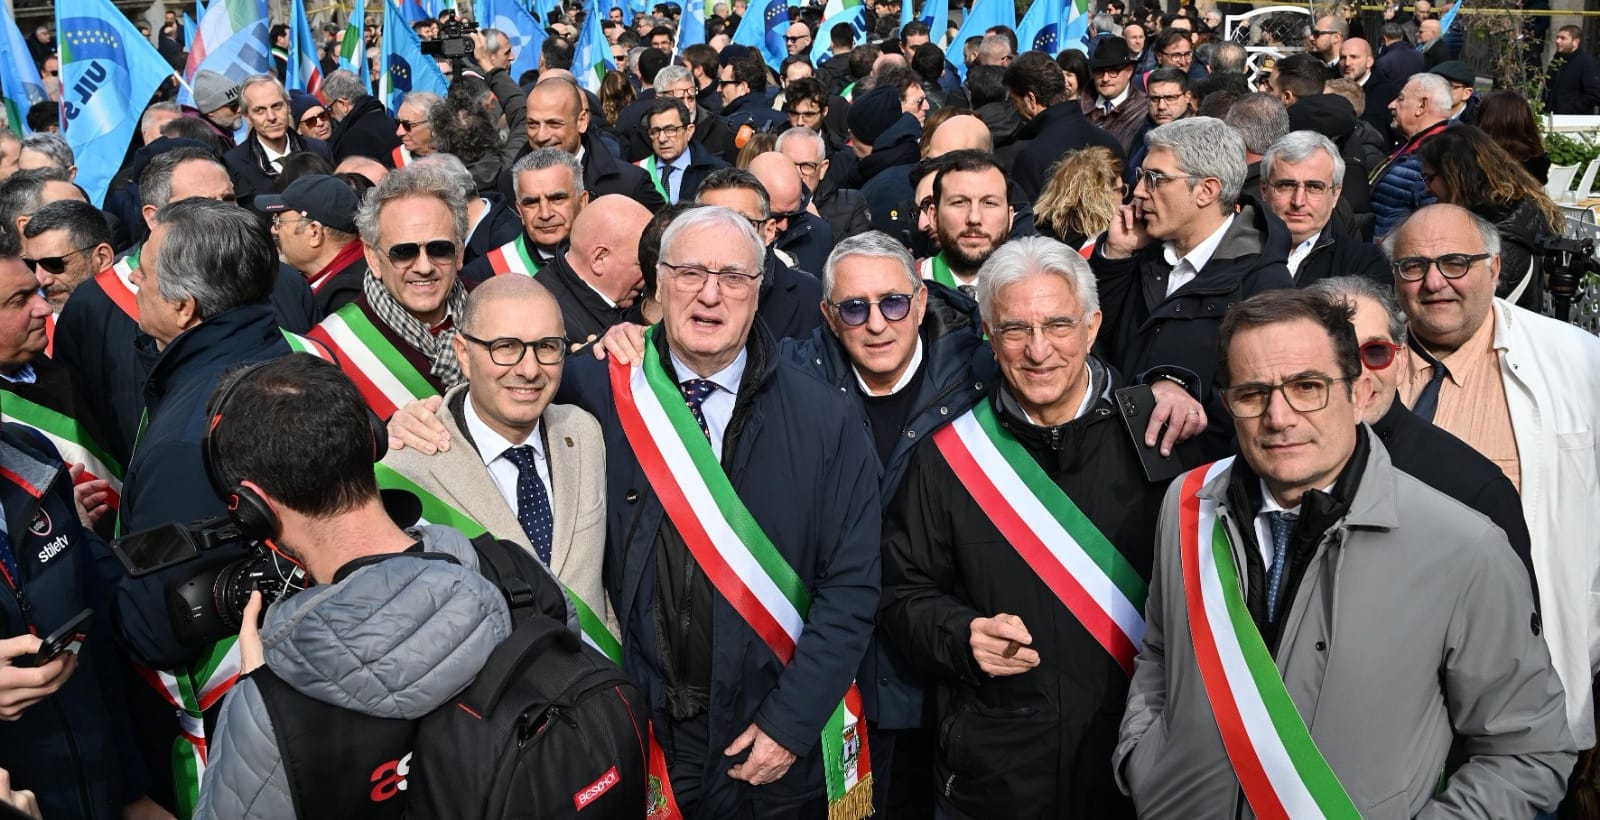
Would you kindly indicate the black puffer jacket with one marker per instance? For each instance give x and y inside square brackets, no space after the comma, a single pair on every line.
[1520,227]
[1037,744]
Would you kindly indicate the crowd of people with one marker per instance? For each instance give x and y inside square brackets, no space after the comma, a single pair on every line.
[958,432]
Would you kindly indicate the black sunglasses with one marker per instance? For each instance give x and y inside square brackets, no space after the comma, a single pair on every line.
[404,253]
[855,312]
[51,264]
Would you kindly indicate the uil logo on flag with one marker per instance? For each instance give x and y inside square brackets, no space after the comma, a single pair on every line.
[95,102]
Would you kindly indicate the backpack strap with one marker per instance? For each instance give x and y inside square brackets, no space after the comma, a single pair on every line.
[529,586]
[533,636]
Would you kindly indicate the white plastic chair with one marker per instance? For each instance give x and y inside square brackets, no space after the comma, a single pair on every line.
[1585,187]
[1560,185]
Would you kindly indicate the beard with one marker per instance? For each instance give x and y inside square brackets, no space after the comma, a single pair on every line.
[962,259]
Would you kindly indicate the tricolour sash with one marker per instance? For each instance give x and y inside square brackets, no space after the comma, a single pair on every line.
[69,438]
[1277,762]
[513,257]
[400,156]
[115,282]
[936,269]
[191,692]
[738,558]
[649,166]
[1056,540]
[385,379]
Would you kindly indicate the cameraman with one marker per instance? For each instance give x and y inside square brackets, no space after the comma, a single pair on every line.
[490,61]
[334,645]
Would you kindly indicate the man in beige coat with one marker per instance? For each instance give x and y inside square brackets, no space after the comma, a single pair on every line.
[524,469]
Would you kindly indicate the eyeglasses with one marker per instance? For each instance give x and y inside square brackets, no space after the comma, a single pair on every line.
[788,216]
[314,119]
[1318,32]
[54,72]
[1178,56]
[507,351]
[1314,188]
[405,253]
[1450,265]
[725,83]
[796,39]
[666,131]
[278,218]
[1153,179]
[1307,394]
[1378,354]
[808,168]
[918,102]
[52,264]
[1013,336]
[407,125]
[1165,99]
[856,312]
[691,278]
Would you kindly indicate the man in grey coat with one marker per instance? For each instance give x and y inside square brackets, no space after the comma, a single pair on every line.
[1341,621]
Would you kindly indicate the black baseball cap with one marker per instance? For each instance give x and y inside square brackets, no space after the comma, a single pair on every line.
[326,199]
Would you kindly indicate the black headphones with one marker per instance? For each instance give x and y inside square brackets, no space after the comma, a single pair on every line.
[247,508]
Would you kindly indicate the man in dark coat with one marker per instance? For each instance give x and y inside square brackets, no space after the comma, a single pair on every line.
[257,162]
[1188,247]
[803,237]
[885,141]
[1030,688]
[1115,103]
[557,117]
[675,163]
[1574,84]
[597,278]
[1301,184]
[788,297]
[361,125]
[740,727]
[1055,123]
[746,108]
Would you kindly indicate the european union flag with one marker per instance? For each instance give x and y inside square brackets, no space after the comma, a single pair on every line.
[763,27]
[405,68]
[510,18]
[19,77]
[1052,25]
[108,73]
[983,15]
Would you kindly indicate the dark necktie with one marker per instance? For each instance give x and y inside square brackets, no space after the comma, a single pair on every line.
[533,502]
[1282,525]
[695,392]
[666,184]
[968,290]
[1427,402]
[8,560]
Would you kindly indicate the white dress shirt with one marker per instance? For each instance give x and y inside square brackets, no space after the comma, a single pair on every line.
[1184,270]
[492,448]
[717,407]
[1264,527]
[1299,252]
[900,383]
[274,157]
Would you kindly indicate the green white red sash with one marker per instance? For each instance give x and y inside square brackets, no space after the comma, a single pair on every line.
[513,257]
[400,156]
[382,374]
[649,166]
[118,286]
[1057,541]
[191,692]
[69,439]
[738,558]
[938,270]
[1273,754]
[308,345]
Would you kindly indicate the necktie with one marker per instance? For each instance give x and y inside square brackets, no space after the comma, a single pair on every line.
[1428,400]
[695,392]
[1105,108]
[533,503]
[1282,525]
[8,559]
[666,184]
[968,290]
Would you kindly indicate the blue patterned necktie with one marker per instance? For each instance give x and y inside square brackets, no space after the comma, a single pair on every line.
[1282,524]
[695,392]
[533,502]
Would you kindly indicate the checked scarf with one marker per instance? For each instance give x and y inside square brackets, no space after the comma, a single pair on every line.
[436,347]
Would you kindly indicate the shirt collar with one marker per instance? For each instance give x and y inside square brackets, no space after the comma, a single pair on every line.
[1201,254]
[274,156]
[1117,100]
[1270,504]
[905,378]
[22,375]
[492,445]
[727,378]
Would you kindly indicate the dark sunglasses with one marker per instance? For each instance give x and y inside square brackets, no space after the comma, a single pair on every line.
[407,125]
[51,264]
[855,312]
[314,119]
[438,250]
[1378,354]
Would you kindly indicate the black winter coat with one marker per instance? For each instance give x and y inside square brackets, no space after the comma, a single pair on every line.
[1341,256]
[603,173]
[790,300]
[886,172]
[367,131]
[1037,744]
[1520,228]
[1048,137]
[1574,84]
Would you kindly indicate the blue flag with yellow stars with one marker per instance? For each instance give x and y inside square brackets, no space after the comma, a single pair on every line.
[405,68]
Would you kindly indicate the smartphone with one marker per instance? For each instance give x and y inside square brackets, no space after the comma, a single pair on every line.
[1135,404]
[69,638]
[145,552]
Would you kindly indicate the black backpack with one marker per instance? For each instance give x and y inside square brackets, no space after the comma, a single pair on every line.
[550,728]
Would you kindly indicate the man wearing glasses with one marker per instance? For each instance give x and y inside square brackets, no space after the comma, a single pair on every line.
[412,124]
[707,131]
[676,165]
[800,236]
[314,223]
[1114,103]
[1174,48]
[1300,183]
[530,471]
[787,296]
[1522,390]
[1298,656]
[1006,514]
[1325,41]
[65,243]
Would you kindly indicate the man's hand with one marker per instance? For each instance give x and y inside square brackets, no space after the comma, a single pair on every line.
[92,498]
[20,799]
[999,645]
[1187,417]
[767,761]
[416,425]
[623,342]
[251,655]
[20,686]
[1126,236]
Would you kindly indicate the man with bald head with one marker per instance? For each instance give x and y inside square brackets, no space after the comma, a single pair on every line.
[598,277]
[844,209]
[557,116]
[959,133]
[801,235]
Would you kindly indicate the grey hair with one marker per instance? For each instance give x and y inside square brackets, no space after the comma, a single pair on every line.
[425,100]
[1205,147]
[216,254]
[669,75]
[1107,23]
[873,245]
[495,41]
[1487,232]
[1023,257]
[404,183]
[342,85]
[1260,119]
[737,179]
[52,146]
[1298,146]
[715,216]
[633,58]
[157,108]
[1339,25]
[802,133]
[1435,89]
[1227,57]
[542,158]
[155,184]
[447,172]
[1347,288]
[262,79]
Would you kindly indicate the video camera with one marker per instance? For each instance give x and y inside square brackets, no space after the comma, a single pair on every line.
[1567,262]
[453,42]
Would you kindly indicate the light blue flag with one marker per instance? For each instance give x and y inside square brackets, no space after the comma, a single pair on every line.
[906,16]
[691,25]
[188,31]
[1052,25]
[411,11]
[821,44]
[763,27]
[984,13]
[404,67]
[591,55]
[514,20]
[1445,23]
[19,77]
[937,18]
[305,69]
[232,41]
[108,73]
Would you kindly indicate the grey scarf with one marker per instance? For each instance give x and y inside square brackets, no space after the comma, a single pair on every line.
[440,352]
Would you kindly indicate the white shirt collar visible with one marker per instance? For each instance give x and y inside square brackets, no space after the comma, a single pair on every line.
[727,378]
[1190,265]
[274,157]
[482,215]
[905,378]
[1116,101]
[1299,252]
[492,445]
[1083,405]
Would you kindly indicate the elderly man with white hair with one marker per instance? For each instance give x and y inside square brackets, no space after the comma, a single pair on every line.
[1421,110]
